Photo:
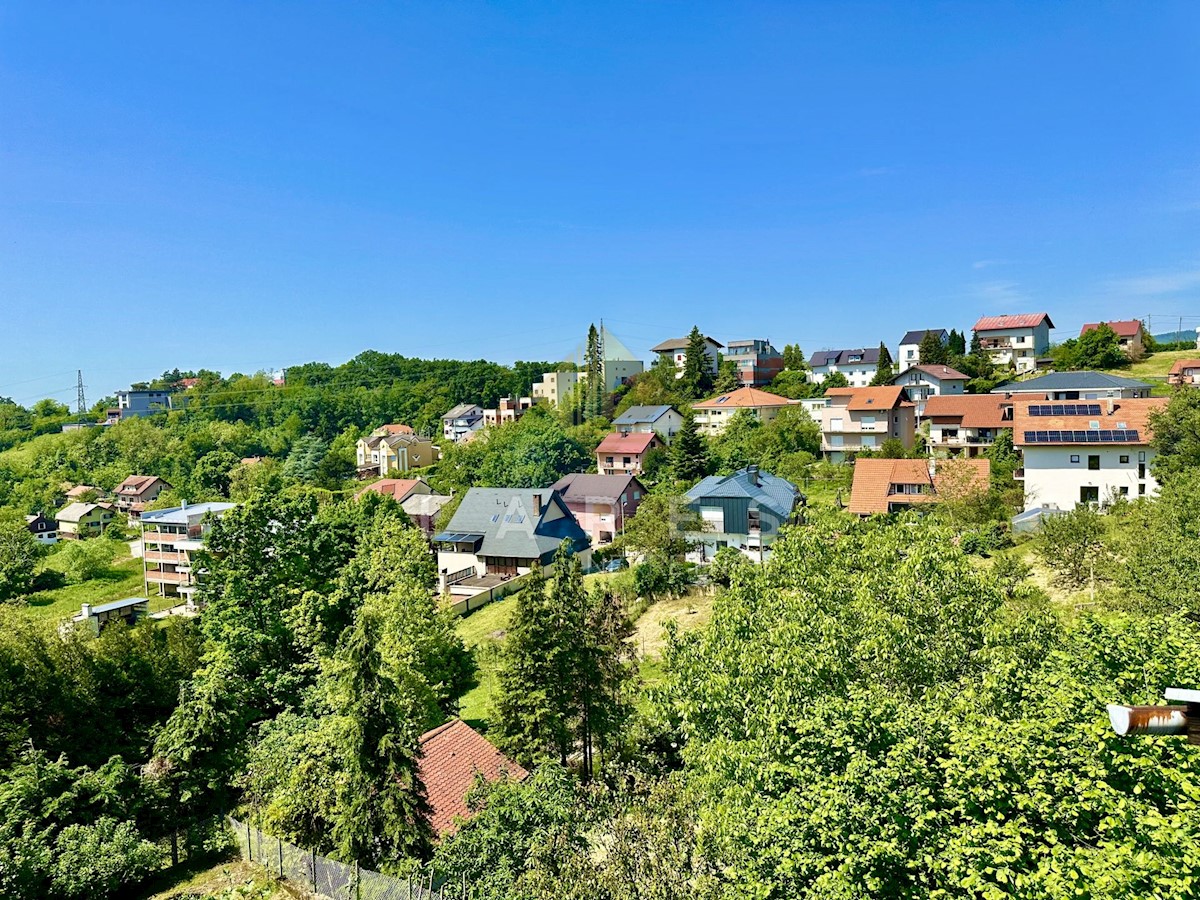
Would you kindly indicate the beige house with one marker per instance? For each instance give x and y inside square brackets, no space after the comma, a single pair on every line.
[966,424]
[136,491]
[1131,335]
[83,520]
[554,387]
[1185,371]
[393,448]
[508,409]
[858,419]
[713,415]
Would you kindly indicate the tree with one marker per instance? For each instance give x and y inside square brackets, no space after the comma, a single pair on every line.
[956,345]
[931,349]
[1176,435]
[1070,545]
[212,474]
[1100,348]
[793,358]
[85,560]
[661,526]
[697,379]
[593,400]
[727,377]
[834,380]
[689,454]
[18,557]
[884,371]
[304,462]
[794,384]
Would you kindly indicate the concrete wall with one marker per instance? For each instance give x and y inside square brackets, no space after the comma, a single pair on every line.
[1051,479]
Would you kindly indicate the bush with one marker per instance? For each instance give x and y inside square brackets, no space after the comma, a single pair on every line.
[725,562]
[657,576]
[986,540]
[84,560]
[96,860]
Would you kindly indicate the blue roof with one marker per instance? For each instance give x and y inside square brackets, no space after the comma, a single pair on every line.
[181,515]
[777,494]
[638,414]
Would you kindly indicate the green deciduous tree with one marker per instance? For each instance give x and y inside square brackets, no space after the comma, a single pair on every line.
[1176,435]
[18,558]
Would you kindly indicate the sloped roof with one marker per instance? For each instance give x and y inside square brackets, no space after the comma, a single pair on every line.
[424,504]
[138,484]
[465,410]
[1071,381]
[679,344]
[1127,415]
[637,415]
[451,756]
[743,398]
[873,479]
[73,512]
[628,443]
[577,488]
[1182,365]
[397,488]
[1124,328]
[80,489]
[1022,320]
[864,399]
[971,410]
[941,373]
[777,494]
[403,437]
[915,337]
[870,357]
[505,520]
[394,428]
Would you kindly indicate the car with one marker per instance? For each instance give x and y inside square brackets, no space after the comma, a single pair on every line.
[616,565]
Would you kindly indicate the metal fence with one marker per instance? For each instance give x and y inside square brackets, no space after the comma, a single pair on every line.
[327,877]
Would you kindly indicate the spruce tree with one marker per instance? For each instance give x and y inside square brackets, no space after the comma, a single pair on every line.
[697,380]
[593,392]
[883,369]
[689,455]
[932,351]
[957,344]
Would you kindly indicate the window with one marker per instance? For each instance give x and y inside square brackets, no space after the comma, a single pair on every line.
[1094,463]
[1142,489]
[1141,456]
[836,424]
[625,461]
[1089,494]
[637,495]
[1124,459]
[1142,471]
[1124,491]
[835,440]
[609,460]
[1074,457]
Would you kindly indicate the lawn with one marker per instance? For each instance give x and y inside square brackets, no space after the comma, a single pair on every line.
[123,580]
[1155,367]
[483,632]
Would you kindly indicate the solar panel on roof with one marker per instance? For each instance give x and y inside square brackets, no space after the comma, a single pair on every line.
[1064,409]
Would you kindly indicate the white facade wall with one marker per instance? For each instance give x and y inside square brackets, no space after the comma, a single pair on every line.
[1021,346]
[859,374]
[1053,480]
[910,355]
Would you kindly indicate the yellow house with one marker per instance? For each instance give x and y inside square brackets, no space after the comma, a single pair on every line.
[83,520]
[401,452]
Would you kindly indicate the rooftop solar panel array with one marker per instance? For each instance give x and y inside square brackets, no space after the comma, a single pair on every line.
[1065,409]
[1091,436]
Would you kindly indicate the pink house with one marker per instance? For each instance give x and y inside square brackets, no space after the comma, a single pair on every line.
[601,503]
[622,454]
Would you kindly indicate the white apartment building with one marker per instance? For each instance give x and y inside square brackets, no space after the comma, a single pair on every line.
[1017,340]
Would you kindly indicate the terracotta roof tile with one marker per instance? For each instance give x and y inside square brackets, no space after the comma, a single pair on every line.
[1123,329]
[1024,320]
[399,488]
[451,756]
[970,410]
[1128,414]
[863,399]
[628,443]
[743,398]
[873,479]
[1182,365]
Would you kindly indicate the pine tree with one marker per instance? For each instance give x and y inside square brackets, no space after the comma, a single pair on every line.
[883,369]
[689,455]
[957,344]
[932,351]
[697,380]
[593,392]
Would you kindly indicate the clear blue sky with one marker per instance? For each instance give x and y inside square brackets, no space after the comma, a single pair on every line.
[250,185]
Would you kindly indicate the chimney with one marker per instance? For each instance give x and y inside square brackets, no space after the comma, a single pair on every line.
[752,471]
[537,504]
[183,504]
[932,468]
[1111,406]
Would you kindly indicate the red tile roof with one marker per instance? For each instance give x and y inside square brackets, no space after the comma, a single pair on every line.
[628,443]
[395,429]
[743,398]
[1128,413]
[398,488]
[969,410]
[863,399]
[451,756]
[1123,329]
[1025,320]
[873,479]
[938,371]
[1182,365]
[135,485]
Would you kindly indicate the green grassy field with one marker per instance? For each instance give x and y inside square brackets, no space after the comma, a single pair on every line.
[123,580]
[1154,368]
[483,632]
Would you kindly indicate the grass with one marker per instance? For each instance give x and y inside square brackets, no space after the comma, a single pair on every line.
[483,632]
[123,580]
[186,883]
[688,612]
[1154,369]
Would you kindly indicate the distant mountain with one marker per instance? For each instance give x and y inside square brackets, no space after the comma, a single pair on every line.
[1188,334]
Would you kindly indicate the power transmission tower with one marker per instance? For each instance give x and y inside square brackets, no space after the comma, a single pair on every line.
[80,402]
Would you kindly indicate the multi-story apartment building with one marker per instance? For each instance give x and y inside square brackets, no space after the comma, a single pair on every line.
[169,540]
[133,403]
[1015,340]
[966,425]
[508,409]
[1090,452]
[555,387]
[863,418]
[757,362]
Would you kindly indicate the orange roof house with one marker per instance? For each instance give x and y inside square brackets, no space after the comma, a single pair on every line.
[623,454]
[399,489]
[1122,421]
[713,415]
[452,755]
[888,485]
[1185,371]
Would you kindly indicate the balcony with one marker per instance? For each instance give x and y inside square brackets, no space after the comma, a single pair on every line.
[159,577]
[161,556]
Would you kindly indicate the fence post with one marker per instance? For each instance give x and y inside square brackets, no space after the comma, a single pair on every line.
[312,855]
[280,842]
[249,842]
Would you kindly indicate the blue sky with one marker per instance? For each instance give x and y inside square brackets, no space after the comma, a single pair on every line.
[248,186]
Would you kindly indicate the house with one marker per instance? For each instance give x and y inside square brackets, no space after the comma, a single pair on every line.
[859,366]
[863,418]
[922,382]
[891,485]
[393,448]
[1185,371]
[83,520]
[625,454]
[498,534]
[462,420]
[508,409]
[757,362]
[136,491]
[675,350]
[452,756]
[554,387]
[601,503]
[1015,340]
[1075,386]
[743,510]
[713,415]
[86,492]
[665,421]
[415,497]
[170,539]
[966,425]
[1085,452]
[910,345]
[43,528]
[97,618]
[134,403]
[1131,335]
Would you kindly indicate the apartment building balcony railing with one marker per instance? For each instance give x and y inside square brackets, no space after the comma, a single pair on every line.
[160,577]
[164,556]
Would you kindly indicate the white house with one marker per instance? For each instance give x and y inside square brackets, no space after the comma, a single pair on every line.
[675,349]
[910,345]
[665,421]
[922,382]
[554,387]
[1085,452]
[462,421]
[859,366]
[1075,386]
[1017,340]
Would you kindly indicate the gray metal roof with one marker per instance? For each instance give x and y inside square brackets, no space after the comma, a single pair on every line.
[915,337]
[73,512]
[870,357]
[777,494]
[463,410]
[119,604]
[1071,381]
[505,518]
[636,415]
[182,515]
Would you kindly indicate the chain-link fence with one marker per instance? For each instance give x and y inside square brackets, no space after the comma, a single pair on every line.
[327,877]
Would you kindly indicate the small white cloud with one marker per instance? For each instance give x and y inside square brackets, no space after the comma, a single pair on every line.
[997,293]
[875,171]
[1157,285]
[987,263]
